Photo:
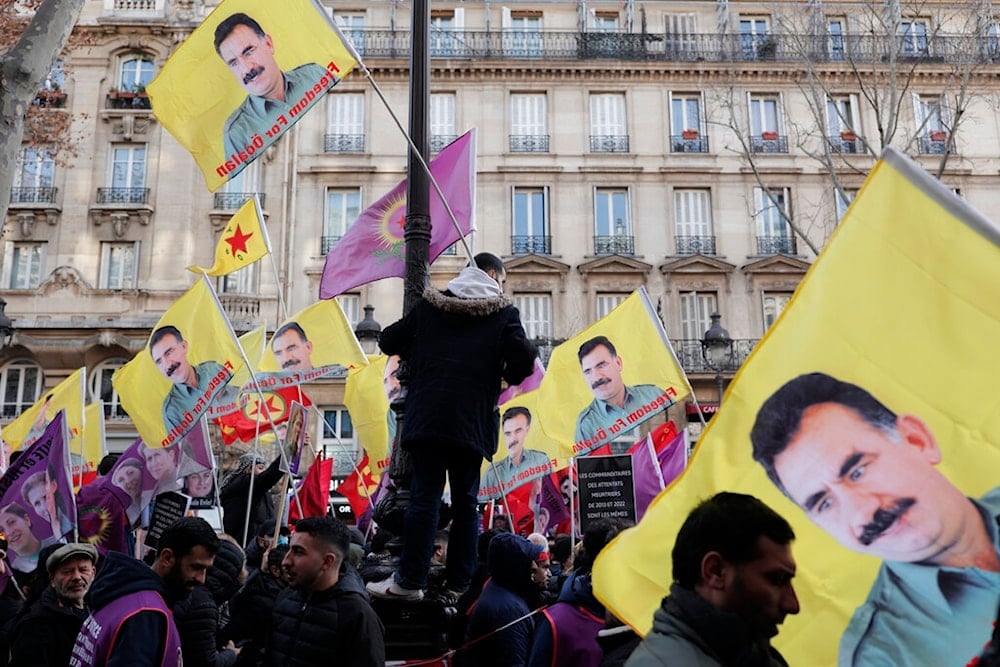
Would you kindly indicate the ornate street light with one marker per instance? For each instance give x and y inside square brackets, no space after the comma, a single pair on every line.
[368,331]
[717,349]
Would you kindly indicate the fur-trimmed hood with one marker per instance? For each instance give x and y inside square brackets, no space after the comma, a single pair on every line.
[472,293]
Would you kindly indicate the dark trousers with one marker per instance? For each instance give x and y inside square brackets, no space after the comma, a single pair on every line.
[430,464]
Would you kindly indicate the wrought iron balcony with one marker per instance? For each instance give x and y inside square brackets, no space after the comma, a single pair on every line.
[439,141]
[845,143]
[685,143]
[536,244]
[619,244]
[935,144]
[768,142]
[695,245]
[122,195]
[230,201]
[693,361]
[240,309]
[775,245]
[50,99]
[43,195]
[344,143]
[529,143]
[326,244]
[609,143]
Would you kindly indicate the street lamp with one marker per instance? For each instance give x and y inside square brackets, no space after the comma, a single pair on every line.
[6,325]
[717,349]
[368,331]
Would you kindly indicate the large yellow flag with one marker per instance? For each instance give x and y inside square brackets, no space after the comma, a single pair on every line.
[67,395]
[94,447]
[227,401]
[246,74]
[885,434]
[242,242]
[190,356]
[368,404]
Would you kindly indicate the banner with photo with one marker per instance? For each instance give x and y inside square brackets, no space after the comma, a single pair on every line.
[247,73]
[37,506]
[67,396]
[870,404]
[190,357]
[227,401]
[315,342]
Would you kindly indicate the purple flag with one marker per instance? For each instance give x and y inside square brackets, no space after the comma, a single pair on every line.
[373,247]
[529,383]
[550,500]
[650,478]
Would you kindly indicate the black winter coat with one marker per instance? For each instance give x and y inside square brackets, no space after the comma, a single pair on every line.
[457,351]
[197,619]
[250,616]
[337,625]
[46,634]
[235,494]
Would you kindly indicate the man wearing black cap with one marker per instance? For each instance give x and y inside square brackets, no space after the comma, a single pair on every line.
[46,633]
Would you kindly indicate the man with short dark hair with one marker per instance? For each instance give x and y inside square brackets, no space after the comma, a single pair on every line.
[602,371]
[46,634]
[324,614]
[292,348]
[868,477]
[131,622]
[169,351]
[458,346]
[732,571]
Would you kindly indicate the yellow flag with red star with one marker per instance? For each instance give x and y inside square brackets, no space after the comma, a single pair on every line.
[243,241]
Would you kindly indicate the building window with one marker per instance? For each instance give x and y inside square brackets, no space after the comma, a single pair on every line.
[338,440]
[608,129]
[755,39]
[530,233]
[352,26]
[686,134]
[913,38]
[933,121]
[835,38]
[774,303]
[842,123]
[135,73]
[239,188]
[693,222]
[522,33]
[696,313]
[243,281]
[22,385]
[612,223]
[844,199]
[680,36]
[343,206]
[442,120]
[22,265]
[529,131]
[445,25]
[345,123]
[102,390]
[127,176]
[351,303]
[34,176]
[119,262]
[774,234]
[608,302]
[605,21]
[765,125]
[536,314]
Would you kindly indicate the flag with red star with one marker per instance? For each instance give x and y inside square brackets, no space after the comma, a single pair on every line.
[242,242]
[252,419]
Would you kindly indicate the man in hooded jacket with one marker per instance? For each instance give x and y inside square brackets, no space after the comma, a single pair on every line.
[458,346]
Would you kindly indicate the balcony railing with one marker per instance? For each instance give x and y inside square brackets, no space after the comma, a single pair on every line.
[693,361]
[609,143]
[127,100]
[50,99]
[775,245]
[683,47]
[344,143]
[765,143]
[933,145]
[695,245]
[619,244]
[240,309]
[681,144]
[439,141]
[122,195]
[230,201]
[529,143]
[536,244]
[44,195]
[841,143]
[326,244]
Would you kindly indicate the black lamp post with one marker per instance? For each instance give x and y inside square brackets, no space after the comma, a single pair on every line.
[6,325]
[717,349]
[368,331]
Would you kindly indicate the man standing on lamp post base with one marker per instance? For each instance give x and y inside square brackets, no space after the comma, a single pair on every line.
[459,345]
[867,477]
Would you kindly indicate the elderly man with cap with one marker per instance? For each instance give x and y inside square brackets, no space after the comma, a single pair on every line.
[46,633]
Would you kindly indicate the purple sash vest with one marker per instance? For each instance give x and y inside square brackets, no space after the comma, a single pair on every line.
[100,630]
[574,635]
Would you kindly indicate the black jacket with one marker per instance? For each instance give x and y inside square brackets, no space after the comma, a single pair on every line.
[46,634]
[234,495]
[250,616]
[197,619]
[337,625]
[457,351]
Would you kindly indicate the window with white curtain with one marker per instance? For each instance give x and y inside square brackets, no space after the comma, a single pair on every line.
[22,264]
[536,314]
[119,264]
[696,313]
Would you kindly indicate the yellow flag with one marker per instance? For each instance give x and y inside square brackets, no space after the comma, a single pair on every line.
[368,405]
[243,241]
[67,395]
[93,439]
[902,305]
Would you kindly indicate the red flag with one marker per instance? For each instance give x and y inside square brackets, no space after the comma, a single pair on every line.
[358,488]
[313,492]
[245,423]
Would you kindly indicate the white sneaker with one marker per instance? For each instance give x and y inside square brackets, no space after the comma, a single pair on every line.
[388,589]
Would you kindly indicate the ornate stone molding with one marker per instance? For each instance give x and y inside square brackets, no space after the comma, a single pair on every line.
[120,218]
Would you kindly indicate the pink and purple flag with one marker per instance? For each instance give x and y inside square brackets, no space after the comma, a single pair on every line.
[656,460]
[373,248]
